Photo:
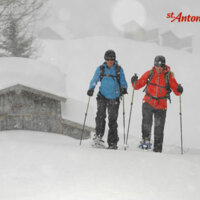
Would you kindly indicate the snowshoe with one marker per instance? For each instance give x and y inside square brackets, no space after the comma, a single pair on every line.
[145,144]
[98,142]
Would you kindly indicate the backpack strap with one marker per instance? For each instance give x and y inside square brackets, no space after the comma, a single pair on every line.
[117,72]
[167,74]
[102,69]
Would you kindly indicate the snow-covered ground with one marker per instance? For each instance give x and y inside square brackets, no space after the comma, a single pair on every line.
[44,166]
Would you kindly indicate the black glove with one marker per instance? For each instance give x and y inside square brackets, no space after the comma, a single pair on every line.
[134,78]
[179,88]
[124,91]
[90,92]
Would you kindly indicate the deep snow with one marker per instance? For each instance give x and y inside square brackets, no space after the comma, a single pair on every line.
[45,166]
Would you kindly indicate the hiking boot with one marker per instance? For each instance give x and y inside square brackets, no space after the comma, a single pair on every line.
[97,138]
[145,144]
[98,142]
[157,146]
[112,146]
[157,150]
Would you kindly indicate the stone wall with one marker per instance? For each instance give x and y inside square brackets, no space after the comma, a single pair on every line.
[24,108]
[29,111]
[74,130]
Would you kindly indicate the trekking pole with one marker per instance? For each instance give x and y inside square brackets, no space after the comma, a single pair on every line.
[124,121]
[85,120]
[181,124]
[130,115]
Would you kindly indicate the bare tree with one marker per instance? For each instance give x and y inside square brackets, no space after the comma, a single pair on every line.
[17,19]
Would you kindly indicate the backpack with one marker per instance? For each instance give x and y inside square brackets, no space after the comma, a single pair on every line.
[117,72]
[167,87]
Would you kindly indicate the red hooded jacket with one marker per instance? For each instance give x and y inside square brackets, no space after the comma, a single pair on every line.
[154,90]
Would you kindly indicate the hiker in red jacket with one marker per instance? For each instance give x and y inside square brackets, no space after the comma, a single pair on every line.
[159,82]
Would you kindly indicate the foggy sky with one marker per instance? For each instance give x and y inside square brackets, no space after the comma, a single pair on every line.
[93,17]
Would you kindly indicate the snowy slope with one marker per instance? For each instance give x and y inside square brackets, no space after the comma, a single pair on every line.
[44,166]
[79,59]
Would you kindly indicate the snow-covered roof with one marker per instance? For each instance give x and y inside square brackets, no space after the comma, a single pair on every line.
[31,73]
[48,33]
[18,88]
[135,26]
[176,32]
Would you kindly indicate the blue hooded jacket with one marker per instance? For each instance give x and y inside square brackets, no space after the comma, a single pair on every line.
[109,87]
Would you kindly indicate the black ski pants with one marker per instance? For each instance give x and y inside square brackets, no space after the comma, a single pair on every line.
[159,122]
[112,106]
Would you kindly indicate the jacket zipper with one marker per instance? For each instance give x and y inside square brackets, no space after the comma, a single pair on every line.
[157,90]
[109,70]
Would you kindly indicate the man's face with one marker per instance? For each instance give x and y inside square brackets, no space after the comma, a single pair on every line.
[159,69]
[110,62]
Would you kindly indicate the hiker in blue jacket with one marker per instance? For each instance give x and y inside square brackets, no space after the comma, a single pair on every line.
[113,85]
